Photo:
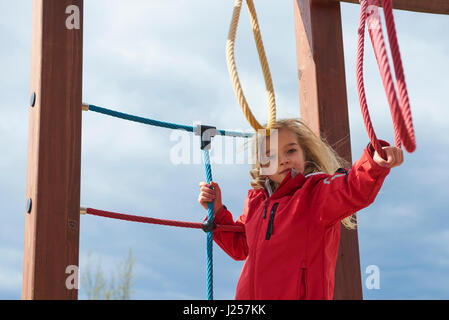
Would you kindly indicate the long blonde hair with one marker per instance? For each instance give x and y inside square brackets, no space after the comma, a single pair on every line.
[319,156]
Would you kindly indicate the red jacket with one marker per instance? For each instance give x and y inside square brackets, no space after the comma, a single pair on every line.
[291,239]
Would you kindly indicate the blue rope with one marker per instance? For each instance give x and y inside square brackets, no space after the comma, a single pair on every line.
[130,117]
[210,234]
[162,124]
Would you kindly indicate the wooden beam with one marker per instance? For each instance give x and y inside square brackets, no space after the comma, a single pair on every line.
[323,105]
[426,6]
[54,150]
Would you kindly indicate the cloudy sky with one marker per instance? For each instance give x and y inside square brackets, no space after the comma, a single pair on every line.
[166,60]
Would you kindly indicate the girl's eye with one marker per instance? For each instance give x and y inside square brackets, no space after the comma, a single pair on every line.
[291,150]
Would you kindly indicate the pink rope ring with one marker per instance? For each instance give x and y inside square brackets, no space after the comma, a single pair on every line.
[399,108]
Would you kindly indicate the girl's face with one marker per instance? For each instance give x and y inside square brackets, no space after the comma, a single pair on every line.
[289,155]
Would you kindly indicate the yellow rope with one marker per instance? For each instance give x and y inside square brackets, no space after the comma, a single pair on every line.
[263,61]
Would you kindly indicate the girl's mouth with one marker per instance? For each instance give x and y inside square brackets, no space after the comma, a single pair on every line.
[285,171]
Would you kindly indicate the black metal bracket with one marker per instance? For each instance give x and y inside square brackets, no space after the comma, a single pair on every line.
[206,134]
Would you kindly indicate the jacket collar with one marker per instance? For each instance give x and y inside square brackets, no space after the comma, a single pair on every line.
[289,185]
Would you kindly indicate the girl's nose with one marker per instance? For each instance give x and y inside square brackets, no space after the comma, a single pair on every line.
[283,159]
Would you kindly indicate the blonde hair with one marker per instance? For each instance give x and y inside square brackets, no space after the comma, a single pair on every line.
[319,157]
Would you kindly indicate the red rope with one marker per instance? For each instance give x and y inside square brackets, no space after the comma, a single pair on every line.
[173,223]
[399,108]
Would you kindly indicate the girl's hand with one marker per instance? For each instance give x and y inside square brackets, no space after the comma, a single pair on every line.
[395,157]
[207,195]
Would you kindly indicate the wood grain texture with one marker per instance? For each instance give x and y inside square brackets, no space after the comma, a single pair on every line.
[323,105]
[426,6]
[54,152]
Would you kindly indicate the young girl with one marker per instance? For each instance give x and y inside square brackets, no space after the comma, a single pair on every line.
[292,216]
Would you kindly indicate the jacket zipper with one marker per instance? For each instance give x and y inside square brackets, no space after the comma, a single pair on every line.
[270,222]
[265,209]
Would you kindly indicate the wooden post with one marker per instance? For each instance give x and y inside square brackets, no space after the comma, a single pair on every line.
[323,105]
[54,151]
